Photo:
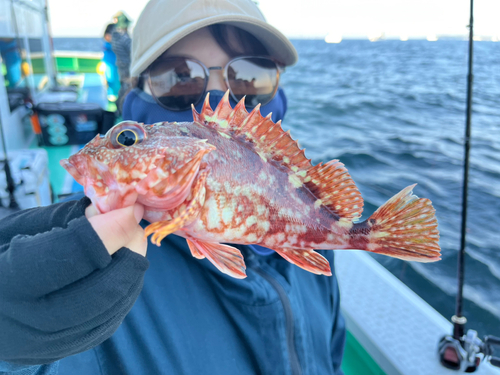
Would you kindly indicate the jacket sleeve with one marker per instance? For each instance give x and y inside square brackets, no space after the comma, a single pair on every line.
[61,293]
[121,44]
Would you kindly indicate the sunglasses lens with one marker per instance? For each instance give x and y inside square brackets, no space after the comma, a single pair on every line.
[177,83]
[255,77]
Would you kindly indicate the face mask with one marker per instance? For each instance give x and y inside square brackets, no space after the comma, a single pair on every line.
[141,107]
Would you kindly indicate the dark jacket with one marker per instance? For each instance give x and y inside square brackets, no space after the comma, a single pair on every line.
[121,44]
[62,294]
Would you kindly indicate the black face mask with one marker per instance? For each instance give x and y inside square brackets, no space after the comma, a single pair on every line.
[142,107]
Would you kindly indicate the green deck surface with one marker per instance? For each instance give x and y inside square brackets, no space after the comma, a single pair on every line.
[57,173]
[357,361]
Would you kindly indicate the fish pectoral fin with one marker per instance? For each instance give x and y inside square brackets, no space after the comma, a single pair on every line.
[169,186]
[226,258]
[307,259]
[182,215]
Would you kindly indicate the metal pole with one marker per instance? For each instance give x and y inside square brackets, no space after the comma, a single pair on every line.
[11,186]
[458,319]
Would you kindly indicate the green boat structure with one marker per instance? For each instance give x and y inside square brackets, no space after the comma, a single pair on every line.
[391,330]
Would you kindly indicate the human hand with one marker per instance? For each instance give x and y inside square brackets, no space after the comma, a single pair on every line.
[119,228]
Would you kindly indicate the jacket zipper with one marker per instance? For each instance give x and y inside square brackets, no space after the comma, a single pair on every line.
[294,359]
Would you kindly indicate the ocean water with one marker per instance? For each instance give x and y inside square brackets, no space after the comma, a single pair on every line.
[394,113]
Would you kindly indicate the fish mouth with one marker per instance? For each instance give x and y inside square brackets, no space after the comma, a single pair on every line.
[72,170]
[158,177]
[101,188]
[161,188]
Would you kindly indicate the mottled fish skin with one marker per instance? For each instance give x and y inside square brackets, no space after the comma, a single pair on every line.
[250,200]
[252,190]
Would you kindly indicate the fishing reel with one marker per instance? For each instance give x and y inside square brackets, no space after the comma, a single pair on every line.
[467,353]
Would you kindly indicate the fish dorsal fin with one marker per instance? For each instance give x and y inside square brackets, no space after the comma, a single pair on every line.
[333,185]
[270,141]
[330,182]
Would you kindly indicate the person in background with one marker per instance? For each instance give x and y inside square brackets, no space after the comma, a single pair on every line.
[11,59]
[75,296]
[109,60]
[121,44]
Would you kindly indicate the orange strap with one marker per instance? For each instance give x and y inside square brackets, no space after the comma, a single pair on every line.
[35,123]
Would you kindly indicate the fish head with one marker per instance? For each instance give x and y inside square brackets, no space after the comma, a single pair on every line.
[134,162]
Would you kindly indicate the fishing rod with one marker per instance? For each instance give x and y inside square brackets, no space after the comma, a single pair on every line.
[458,319]
[465,352]
[11,186]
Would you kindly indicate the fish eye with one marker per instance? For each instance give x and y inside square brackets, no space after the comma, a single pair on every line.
[127,137]
[126,134]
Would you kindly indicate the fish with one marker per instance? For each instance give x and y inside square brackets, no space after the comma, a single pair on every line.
[234,177]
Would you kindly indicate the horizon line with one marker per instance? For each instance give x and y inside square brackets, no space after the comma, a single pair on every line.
[354,37]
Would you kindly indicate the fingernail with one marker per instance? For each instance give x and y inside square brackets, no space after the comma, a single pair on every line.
[91,211]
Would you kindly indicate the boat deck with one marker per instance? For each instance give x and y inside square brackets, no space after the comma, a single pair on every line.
[397,328]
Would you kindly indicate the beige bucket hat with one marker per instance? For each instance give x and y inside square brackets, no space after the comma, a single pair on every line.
[164,22]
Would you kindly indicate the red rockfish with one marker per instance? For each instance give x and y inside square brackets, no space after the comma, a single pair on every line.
[236,177]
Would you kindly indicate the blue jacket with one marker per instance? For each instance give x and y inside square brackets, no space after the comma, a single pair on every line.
[189,318]
[192,319]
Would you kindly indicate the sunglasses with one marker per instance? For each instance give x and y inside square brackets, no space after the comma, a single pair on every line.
[178,82]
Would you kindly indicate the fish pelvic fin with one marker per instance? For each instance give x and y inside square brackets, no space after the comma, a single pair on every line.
[307,259]
[226,258]
[405,227]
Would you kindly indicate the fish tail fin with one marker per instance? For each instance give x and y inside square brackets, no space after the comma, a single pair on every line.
[405,227]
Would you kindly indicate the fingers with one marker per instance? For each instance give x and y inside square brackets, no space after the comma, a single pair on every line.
[118,228]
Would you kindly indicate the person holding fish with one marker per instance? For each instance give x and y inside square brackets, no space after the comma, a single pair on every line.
[238,289]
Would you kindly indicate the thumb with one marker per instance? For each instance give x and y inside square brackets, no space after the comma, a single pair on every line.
[116,228]
[138,212]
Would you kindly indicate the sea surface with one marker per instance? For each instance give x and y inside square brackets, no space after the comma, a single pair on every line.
[394,113]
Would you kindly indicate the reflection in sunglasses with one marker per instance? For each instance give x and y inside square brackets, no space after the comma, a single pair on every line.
[178,82]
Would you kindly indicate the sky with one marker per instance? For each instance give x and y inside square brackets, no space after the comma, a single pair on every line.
[311,18]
